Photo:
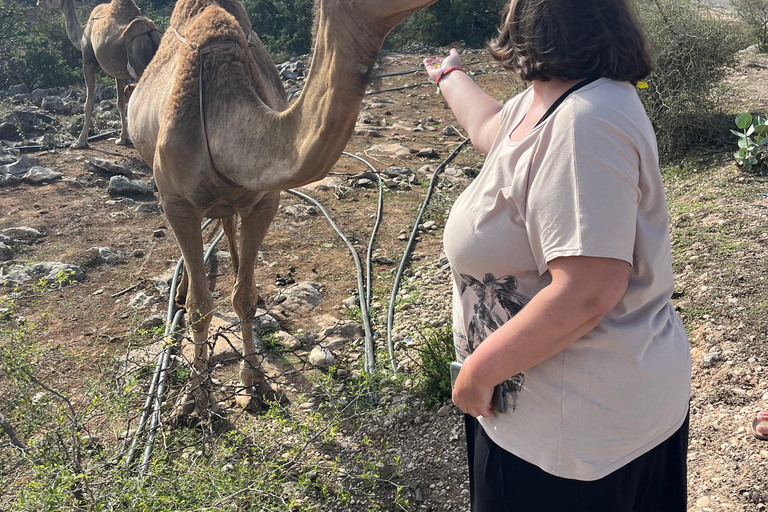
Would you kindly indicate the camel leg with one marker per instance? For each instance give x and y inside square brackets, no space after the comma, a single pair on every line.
[230,229]
[254,225]
[89,72]
[123,140]
[199,306]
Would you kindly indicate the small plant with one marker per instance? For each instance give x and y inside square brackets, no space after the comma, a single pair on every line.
[437,352]
[753,135]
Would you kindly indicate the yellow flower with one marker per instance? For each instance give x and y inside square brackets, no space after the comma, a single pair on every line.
[642,85]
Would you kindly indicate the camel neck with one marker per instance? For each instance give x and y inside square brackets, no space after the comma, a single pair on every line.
[327,110]
[74,29]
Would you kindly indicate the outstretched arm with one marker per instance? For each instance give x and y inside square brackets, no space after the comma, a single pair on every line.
[477,112]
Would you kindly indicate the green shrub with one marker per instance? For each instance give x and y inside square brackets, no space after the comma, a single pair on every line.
[752,137]
[694,50]
[284,26]
[754,13]
[434,376]
[473,21]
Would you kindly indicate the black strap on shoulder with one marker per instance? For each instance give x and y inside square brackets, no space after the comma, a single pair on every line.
[567,93]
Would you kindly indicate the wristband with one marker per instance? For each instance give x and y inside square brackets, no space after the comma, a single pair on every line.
[444,74]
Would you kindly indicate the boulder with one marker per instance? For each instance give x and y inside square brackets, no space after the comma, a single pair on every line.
[8,131]
[18,89]
[55,272]
[56,104]
[321,357]
[302,297]
[18,168]
[5,252]
[101,165]
[106,254]
[38,174]
[22,234]
[120,185]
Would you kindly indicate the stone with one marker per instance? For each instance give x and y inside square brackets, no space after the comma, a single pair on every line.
[427,153]
[105,254]
[14,276]
[153,208]
[18,168]
[301,210]
[28,120]
[22,234]
[302,297]
[104,92]
[152,322]
[5,252]
[444,410]
[710,359]
[344,329]
[18,89]
[8,131]
[450,131]
[703,502]
[321,357]
[56,272]
[101,165]
[47,139]
[38,174]
[287,340]
[398,172]
[56,104]
[120,185]
[142,300]
[397,150]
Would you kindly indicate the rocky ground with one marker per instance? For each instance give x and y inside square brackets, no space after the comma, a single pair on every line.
[87,256]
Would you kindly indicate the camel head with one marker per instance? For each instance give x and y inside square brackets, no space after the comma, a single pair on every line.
[51,4]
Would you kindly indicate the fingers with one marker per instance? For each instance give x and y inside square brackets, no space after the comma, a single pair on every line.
[762,416]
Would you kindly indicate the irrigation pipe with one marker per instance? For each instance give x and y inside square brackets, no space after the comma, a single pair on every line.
[163,372]
[163,357]
[370,359]
[41,147]
[409,247]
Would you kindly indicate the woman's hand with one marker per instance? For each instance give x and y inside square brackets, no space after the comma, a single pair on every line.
[470,396]
[436,66]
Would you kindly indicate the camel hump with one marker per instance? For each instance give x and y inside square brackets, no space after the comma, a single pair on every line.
[141,42]
[213,25]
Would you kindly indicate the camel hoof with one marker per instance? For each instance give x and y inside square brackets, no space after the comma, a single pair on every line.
[123,142]
[272,394]
[78,145]
[186,408]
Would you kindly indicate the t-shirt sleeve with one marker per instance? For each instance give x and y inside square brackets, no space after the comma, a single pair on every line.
[583,191]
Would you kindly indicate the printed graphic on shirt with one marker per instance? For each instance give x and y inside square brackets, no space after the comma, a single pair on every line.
[495,301]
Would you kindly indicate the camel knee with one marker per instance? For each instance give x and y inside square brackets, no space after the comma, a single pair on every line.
[244,301]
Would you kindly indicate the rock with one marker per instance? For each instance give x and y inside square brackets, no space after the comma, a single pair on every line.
[120,185]
[453,171]
[347,330]
[47,139]
[18,168]
[14,276]
[22,234]
[427,153]
[703,502]
[154,208]
[104,92]
[430,225]
[302,297]
[450,131]
[56,272]
[100,165]
[56,104]
[37,95]
[152,322]
[321,357]
[5,252]
[8,131]
[301,210]
[398,172]
[710,359]
[29,120]
[287,340]
[38,174]
[18,89]
[291,70]
[397,150]
[444,410]
[383,260]
[142,300]
[105,254]
[9,180]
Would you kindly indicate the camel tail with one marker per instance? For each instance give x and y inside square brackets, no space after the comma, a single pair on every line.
[141,42]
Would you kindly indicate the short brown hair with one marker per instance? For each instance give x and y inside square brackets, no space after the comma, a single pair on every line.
[570,39]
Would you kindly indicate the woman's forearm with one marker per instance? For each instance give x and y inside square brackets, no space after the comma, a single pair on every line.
[476,111]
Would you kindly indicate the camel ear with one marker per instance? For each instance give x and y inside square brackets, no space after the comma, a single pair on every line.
[137,27]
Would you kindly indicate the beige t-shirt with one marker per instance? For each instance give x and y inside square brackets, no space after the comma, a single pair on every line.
[585,182]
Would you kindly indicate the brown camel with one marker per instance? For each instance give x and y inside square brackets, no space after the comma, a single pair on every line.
[117,38]
[246,147]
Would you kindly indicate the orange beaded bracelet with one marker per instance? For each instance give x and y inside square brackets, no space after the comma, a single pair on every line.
[445,73]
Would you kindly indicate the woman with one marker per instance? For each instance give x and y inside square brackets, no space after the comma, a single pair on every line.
[561,259]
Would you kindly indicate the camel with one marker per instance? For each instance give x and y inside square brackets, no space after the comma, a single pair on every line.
[117,38]
[210,117]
